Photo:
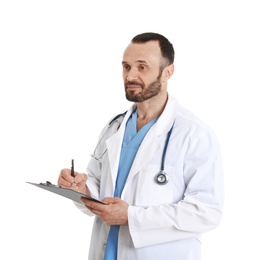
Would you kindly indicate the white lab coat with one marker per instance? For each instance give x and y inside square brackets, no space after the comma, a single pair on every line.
[165,221]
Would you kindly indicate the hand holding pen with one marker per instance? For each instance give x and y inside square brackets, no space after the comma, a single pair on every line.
[70,179]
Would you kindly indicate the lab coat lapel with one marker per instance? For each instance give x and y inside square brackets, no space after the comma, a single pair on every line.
[145,154]
[114,148]
[147,149]
[114,144]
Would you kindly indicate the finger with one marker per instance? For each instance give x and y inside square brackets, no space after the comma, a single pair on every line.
[94,205]
[109,200]
[65,179]
[87,202]
[94,210]
[80,178]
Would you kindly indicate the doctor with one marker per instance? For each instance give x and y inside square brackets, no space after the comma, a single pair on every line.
[156,167]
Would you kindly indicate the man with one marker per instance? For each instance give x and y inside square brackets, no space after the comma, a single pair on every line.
[157,168]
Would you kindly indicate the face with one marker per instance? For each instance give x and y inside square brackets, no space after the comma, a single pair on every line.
[141,71]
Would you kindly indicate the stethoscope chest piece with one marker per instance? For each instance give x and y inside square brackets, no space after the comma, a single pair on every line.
[161,178]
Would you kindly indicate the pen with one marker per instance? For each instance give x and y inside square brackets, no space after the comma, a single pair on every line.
[72,169]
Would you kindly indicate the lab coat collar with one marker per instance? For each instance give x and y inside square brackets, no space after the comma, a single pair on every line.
[166,119]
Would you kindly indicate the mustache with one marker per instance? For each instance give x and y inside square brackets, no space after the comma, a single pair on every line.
[133,83]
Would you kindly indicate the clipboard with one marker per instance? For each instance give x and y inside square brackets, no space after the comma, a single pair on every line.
[65,192]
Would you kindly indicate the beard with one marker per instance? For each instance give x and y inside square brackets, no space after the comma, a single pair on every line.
[147,92]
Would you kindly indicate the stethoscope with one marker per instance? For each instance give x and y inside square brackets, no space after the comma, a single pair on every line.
[117,119]
[161,178]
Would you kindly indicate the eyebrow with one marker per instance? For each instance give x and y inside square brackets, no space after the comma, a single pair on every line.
[138,61]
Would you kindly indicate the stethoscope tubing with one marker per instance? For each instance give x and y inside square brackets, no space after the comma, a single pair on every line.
[165,148]
[161,178]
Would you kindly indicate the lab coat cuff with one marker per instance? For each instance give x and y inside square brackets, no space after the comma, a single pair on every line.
[84,209]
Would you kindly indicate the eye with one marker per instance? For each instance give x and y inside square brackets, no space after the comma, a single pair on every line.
[126,67]
[142,67]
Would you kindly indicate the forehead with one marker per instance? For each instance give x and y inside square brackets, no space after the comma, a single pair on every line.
[148,52]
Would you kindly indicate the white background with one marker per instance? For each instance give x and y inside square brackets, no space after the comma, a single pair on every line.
[60,79]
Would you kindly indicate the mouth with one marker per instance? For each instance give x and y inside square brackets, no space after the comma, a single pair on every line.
[133,85]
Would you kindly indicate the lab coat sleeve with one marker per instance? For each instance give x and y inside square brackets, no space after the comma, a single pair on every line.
[83,209]
[199,211]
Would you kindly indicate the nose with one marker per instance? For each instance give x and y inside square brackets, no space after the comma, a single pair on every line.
[132,75]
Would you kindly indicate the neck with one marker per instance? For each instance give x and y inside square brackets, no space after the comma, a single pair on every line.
[150,109]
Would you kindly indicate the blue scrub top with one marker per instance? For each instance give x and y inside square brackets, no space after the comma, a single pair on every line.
[130,145]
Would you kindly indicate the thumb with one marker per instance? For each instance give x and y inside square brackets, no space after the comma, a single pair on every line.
[109,200]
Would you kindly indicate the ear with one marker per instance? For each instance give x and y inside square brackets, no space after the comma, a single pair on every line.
[168,72]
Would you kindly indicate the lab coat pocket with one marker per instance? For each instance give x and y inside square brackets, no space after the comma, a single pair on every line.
[149,191]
